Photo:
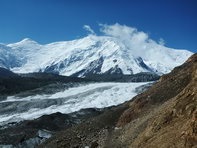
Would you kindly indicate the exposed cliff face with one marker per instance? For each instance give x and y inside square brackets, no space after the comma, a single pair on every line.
[166,88]
[163,116]
[175,123]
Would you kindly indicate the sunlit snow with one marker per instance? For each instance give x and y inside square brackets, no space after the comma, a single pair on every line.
[118,43]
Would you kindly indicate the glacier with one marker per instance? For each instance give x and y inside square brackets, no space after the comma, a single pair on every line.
[93,95]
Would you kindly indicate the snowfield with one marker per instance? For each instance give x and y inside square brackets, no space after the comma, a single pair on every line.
[120,49]
[97,95]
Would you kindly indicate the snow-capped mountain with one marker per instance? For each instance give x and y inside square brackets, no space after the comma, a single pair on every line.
[90,55]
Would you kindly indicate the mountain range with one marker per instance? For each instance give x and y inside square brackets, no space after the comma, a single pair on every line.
[90,55]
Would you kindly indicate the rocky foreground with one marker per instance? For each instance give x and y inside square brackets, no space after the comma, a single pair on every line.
[163,116]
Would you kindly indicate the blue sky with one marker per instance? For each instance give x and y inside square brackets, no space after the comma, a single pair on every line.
[47,21]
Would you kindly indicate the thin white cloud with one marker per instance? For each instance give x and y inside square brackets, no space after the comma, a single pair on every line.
[129,36]
[89,29]
[161,41]
[124,32]
[116,30]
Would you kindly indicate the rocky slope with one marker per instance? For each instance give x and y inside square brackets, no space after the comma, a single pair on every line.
[30,133]
[163,116]
[4,73]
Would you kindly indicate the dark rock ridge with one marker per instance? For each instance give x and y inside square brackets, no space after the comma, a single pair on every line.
[4,73]
[141,63]
[164,115]
[11,83]
[140,77]
[93,68]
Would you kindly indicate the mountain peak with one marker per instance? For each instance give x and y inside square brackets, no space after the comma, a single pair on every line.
[27,40]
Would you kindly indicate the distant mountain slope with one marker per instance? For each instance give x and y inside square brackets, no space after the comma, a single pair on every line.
[90,55]
[5,73]
[11,83]
[8,59]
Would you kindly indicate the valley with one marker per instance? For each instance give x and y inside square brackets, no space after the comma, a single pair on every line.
[98,74]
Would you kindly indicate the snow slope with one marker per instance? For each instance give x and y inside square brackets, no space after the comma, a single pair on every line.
[121,49]
[98,95]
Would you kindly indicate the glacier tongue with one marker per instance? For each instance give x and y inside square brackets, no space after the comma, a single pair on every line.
[89,55]
[95,95]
